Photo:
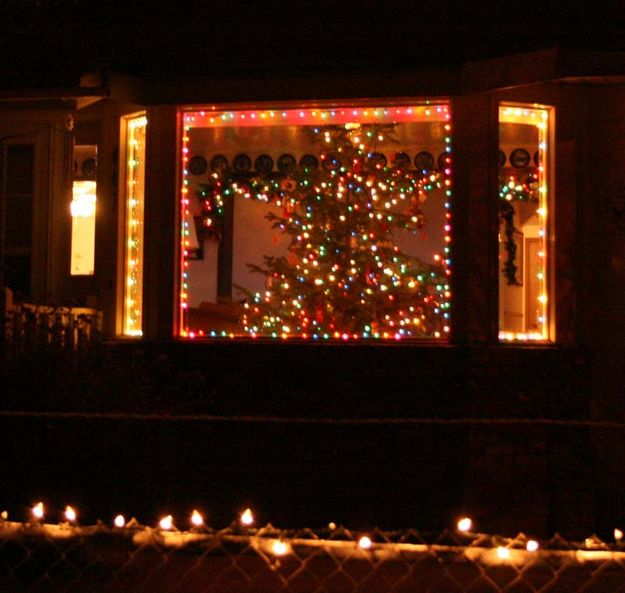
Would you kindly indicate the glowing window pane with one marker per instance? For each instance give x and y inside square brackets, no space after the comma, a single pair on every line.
[83,209]
[524,214]
[316,223]
[134,219]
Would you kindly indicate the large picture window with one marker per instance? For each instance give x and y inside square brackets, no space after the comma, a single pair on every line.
[524,219]
[316,223]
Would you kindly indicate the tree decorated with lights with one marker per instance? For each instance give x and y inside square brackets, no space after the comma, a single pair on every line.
[343,276]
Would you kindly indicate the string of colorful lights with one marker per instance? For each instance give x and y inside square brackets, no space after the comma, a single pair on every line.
[352,200]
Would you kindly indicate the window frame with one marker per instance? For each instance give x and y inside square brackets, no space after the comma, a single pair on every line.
[548,159]
[181,331]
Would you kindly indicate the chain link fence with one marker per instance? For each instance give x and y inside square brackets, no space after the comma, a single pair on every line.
[50,558]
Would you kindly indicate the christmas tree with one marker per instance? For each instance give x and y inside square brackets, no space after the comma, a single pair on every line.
[343,275]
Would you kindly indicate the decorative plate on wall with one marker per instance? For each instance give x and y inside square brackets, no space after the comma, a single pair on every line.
[377,159]
[501,158]
[87,168]
[219,164]
[263,163]
[441,161]
[424,160]
[519,158]
[331,162]
[286,163]
[198,165]
[401,160]
[309,161]
[242,163]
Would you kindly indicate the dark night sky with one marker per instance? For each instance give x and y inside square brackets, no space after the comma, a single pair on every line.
[63,37]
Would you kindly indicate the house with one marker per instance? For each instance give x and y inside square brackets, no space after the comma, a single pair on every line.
[436,235]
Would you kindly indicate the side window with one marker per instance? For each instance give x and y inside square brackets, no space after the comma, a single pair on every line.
[83,210]
[16,210]
[525,213]
[133,149]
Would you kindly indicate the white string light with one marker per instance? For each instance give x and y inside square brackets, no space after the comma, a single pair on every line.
[119,521]
[282,546]
[37,511]
[196,518]
[503,553]
[247,518]
[166,523]
[532,545]
[279,548]
[70,514]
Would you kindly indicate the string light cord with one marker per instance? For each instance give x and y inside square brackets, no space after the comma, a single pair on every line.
[316,421]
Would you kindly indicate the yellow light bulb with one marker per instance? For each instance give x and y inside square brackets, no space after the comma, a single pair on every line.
[37,511]
[465,524]
[196,519]
[166,523]
[70,514]
[532,545]
[503,553]
[247,518]
[119,521]
[364,542]
[279,548]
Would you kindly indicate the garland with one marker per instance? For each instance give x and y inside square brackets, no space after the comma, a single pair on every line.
[510,192]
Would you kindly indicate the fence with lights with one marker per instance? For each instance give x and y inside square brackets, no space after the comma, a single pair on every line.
[45,556]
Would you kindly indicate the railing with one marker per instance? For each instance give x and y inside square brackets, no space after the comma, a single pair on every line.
[55,558]
[35,329]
